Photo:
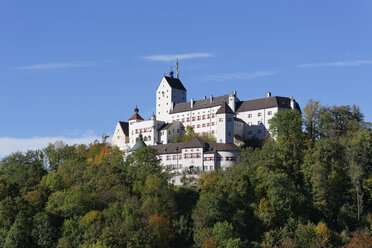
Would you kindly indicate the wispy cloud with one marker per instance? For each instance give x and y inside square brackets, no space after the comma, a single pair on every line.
[173,57]
[238,76]
[338,63]
[9,145]
[52,66]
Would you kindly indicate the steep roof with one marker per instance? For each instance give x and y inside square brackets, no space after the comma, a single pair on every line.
[224,109]
[125,127]
[194,143]
[199,104]
[139,144]
[267,102]
[166,126]
[175,83]
[238,119]
[136,116]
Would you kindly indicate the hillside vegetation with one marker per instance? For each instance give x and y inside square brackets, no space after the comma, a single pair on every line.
[310,187]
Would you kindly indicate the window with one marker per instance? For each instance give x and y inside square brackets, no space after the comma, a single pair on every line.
[203,117]
[208,116]
[198,126]
[210,167]
[229,119]
[249,132]
[208,124]
[183,120]
[249,115]
[193,126]
[188,119]
[203,125]
[259,131]
[193,118]
[168,157]
[259,114]
[220,119]
[269,113]
[205,168]
[199,118]
[213,115]
[174,157]
[213,123]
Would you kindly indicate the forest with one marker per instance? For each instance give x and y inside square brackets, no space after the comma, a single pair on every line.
[311,186]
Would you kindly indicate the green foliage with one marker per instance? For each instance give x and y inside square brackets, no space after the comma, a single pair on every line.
[308,186]
[189,134]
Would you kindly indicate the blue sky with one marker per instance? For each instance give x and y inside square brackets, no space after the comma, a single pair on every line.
[71,69]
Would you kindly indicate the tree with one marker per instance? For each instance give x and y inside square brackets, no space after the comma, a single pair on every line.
[22,170]
[311,119]
[44,231]
[18,235]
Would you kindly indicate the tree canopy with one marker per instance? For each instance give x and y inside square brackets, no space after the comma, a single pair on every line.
[310,185]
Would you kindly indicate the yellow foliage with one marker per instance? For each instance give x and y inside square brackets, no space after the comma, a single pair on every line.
[209,243]
[33,198]
[92,217]
[159,221]
[210,182]
[323,233]
[98,153]
[265,211]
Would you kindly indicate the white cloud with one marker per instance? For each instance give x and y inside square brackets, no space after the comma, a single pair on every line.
[339,63]
[9,145]
[51,66]
[238,76]
[173,57]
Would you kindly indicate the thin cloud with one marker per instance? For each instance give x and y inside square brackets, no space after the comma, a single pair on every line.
[52,66]
[238,76]
[10,145]
[339,63]
[173,57]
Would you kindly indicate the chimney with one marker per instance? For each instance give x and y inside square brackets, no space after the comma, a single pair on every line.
[293,102]
[205,97]
[268,94]
[211,99]
[192,102]
[234,93]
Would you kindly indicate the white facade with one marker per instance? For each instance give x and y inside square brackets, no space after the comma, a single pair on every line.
[226,118]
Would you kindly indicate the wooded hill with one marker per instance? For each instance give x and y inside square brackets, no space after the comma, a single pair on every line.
[311,187]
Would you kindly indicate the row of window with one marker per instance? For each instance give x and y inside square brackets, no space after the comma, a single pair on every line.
[143,130]
[251,132]
[196,155]
[259,114]
[191,155]
[258,123]
[203,125]
[195,118]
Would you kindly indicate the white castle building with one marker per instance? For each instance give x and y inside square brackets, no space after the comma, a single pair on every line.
[226,117]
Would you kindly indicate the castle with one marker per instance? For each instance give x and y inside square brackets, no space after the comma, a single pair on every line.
[227,118]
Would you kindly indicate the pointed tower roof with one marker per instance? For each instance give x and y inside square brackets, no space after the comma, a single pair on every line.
[139,144]
[136,116]
[175,83]
[224,109]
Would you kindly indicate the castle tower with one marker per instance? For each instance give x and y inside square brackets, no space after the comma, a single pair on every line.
[225,124]
[169,92]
